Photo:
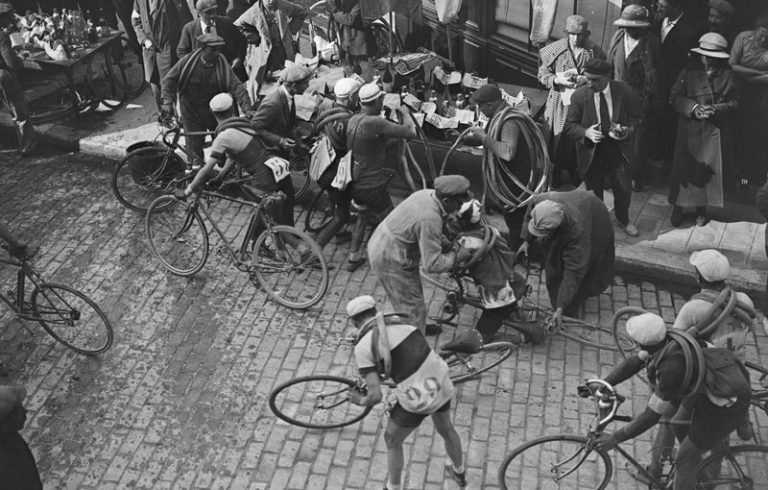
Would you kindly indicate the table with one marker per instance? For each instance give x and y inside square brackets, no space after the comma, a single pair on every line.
[42,62]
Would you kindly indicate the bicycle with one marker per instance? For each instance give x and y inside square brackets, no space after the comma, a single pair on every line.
[573,461]
[68,315]
[461,290]
[285,261]
[322,401]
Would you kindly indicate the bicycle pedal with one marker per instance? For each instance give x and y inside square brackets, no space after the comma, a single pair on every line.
[221,251]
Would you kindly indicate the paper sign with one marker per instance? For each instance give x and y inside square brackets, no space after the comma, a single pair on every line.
[428,107]
[392,101]
[464,116]
[305,106]
[447,78]
[441,122]
[412,101]
[473,82]
[419,118]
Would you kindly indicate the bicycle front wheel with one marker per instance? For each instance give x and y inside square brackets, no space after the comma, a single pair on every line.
[587,333]
[319,212]
[300,175]
[464,367]
[72,318]
[177,235]
[556,462]
[143,175]
[316,402]
[290,267]
[740,467]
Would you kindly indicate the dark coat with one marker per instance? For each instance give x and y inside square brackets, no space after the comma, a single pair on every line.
[642,69]
[235,42]
[164,30]
[675,48]
[274,118]
[582,115]
[580,253]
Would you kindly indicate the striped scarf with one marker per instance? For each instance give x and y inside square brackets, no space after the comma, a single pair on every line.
[223,71]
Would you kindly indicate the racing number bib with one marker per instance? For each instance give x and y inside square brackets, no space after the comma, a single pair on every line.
[422,394]
[279,166]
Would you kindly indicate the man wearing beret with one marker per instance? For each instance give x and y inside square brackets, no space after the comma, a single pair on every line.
[10,89]
[576,233]
[210,23]
[411,237]
[18,470]
[158,28]
[603,149]
[196,79]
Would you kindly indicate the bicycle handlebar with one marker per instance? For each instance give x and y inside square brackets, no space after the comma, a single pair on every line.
[606,398]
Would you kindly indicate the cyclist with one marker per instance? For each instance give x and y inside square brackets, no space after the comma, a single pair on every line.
[21,251]
[400,352]
[237,142]
[713,417]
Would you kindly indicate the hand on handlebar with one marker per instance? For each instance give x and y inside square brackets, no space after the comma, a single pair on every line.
[522,251]
[286,144]
[463,255]
[605,442]
[356,395]
[555,321]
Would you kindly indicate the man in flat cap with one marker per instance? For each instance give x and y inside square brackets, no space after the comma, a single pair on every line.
[196,79]
[562,71]
[270,27]
[210,23]
[11,94]
[18,470]
[368,137]
[158,28]
[577,237]
[411,237]
[515,130]
[600,121]
[635,56]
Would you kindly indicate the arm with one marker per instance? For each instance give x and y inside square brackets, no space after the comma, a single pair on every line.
[575,262]
[142,36]
[737,52]
[296,13]
[729,100]
[678,97]
[373,395]
[170,83]
[237,89]
[391,130]
[347,18]
[9,55]
[430,247]
[262,121]
[205,173]
[573,120]
[546,75]
[639,424]
[185,42]
[506,149]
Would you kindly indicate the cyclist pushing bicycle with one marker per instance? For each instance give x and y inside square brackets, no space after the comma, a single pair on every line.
[401,353]
[708,383]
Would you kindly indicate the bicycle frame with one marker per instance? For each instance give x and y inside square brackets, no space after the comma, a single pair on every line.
[25,271]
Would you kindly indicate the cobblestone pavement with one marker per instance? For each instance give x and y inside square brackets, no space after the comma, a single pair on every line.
[180,401]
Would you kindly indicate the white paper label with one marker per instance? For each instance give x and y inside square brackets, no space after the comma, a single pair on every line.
[279,166]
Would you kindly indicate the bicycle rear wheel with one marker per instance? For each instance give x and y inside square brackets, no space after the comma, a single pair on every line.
[106,77]
[316,402]
[290,267]
[144,174]
[739,467]
[177,235]
[72,318]
[556,462]
[464,367]
[319,212]
[300,175]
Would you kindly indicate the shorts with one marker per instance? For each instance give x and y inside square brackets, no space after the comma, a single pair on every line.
[376,199]
[404,418]
[711,424]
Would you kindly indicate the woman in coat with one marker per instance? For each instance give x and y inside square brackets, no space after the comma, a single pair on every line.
[705,95]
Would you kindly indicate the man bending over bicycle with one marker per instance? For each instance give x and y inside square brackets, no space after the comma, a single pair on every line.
[237,143]
[401,353]
[714,417]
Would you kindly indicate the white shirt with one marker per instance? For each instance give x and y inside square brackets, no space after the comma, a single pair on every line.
[607,92]
[629,44]
[204,25]
[667,25]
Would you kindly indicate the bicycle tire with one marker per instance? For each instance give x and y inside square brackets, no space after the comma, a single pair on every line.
[144,174]
[175,232]
[50,107]
[319,212]
[750,469]
[624,343]
[300,176]
[287,261]
[525,466]
[380,34]
[108,83]
[589,334]
[82,327]
[291,407]
[488,357]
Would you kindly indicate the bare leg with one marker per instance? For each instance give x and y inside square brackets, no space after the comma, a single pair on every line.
[394,437]
[442,421]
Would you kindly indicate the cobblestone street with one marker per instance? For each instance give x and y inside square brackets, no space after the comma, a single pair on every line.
[180,401]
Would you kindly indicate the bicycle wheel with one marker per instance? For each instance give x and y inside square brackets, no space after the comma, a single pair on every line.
[464,367]
[319,212]
[587,333]
[106,77]
[560,461]
[145,174]
[738,467]
[50,107]
[380,34]
[290,267]
[72,318]
[316,402]
[177,235]
[300,175]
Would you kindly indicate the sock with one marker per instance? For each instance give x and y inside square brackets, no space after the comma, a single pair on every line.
[393,486]
[355,257]
[457,469]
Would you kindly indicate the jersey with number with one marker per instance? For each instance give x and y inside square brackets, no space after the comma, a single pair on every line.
[243,146]
[421,375]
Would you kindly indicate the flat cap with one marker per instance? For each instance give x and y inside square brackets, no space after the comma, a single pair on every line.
[723,7]
[633,16]
[210,39]
[295,73]
[452,185]
[6,7]
[360,304]
[546,217]
[647,329]
[345,87]
[576,24]
[205,5]
[597,67]
[486,93]
[711,264]
[221,102]
[369,92]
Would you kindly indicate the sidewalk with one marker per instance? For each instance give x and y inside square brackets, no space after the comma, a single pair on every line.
[660,252]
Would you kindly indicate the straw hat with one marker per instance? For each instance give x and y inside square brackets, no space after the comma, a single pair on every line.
[713,45]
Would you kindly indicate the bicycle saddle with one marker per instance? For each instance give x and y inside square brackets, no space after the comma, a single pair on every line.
[467,343]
